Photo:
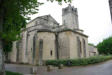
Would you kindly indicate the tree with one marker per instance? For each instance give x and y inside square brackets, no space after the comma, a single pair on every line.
[13,17]
[105,47]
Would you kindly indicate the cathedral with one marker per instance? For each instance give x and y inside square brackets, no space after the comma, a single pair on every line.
[44,39]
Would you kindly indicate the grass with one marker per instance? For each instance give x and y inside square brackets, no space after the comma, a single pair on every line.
[78,62]
[12,73]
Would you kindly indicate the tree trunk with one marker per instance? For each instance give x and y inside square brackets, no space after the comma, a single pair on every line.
[2,68]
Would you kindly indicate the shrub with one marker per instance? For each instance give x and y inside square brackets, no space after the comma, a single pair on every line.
[77,62]
[12,73]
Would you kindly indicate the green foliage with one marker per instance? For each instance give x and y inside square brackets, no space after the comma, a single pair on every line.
[105,47]
[12,73]
[15,16]
[60,0]
[78,62]
[7,47]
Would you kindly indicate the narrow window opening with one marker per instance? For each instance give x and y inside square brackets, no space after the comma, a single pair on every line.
[51,53]
[79,47]
[84,47]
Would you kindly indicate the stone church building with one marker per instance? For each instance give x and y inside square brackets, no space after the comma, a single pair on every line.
[44,39]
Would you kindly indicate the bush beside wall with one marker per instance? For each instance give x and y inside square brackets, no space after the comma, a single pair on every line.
[78,62]
[12,73]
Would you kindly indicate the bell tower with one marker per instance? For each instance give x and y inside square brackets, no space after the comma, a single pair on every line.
[70,17]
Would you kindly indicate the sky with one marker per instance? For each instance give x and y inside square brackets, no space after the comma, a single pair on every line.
[94,17]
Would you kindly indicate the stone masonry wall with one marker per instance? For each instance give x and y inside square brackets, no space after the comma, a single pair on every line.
[48,45]
[64,45]
[68,47]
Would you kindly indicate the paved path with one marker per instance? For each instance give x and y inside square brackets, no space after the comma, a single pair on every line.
[18,68]
[99,69]
[24,69]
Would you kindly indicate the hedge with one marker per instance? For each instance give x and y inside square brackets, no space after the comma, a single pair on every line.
[12,73]
[78,62]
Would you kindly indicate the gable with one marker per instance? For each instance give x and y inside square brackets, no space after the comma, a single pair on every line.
[46,20]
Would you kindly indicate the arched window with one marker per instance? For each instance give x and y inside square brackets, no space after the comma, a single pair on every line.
[34,47]
[40,48]
[40,53]
[79,47]
[41,43]
[84,47]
